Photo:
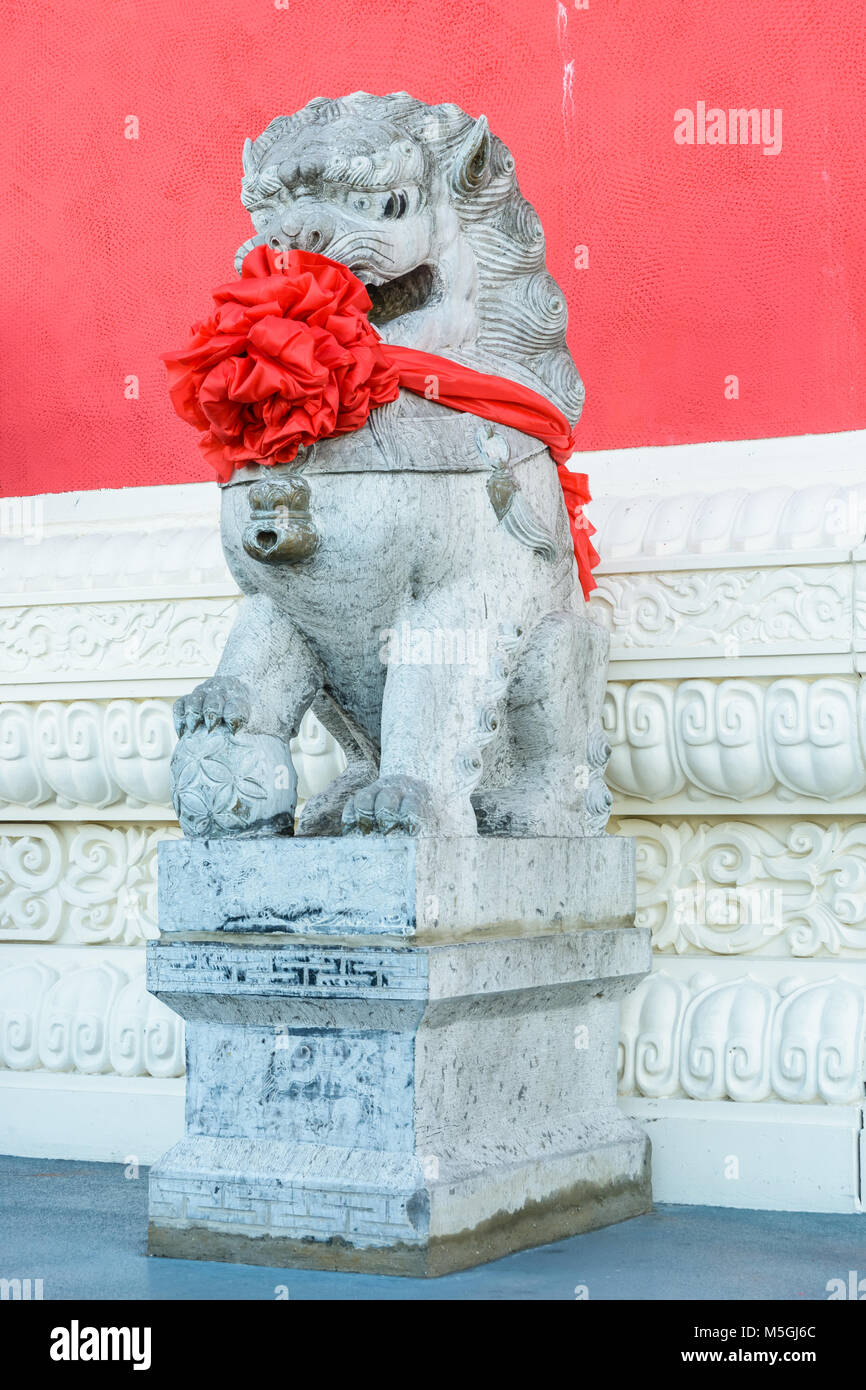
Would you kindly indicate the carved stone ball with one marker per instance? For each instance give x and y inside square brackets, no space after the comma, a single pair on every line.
[228,783]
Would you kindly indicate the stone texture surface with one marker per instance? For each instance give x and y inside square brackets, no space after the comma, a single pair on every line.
[407,1104]
[395,885]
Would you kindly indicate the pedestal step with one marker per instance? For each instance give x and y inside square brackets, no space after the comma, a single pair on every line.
[267,1203]
[394,886]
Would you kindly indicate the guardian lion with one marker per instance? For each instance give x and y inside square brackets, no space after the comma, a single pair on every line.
[413,582]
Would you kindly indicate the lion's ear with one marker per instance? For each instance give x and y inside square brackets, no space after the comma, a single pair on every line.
[471,168]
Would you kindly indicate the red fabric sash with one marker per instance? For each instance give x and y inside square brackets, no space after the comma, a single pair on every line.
[505,402]
[289,356]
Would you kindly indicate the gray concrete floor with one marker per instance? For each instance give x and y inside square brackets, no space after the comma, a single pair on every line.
[80,1227]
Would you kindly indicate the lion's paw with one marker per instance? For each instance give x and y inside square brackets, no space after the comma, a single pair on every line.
[390,805]
[220,700]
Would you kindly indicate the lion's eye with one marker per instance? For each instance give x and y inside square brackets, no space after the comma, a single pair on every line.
[361,204]
[396,205]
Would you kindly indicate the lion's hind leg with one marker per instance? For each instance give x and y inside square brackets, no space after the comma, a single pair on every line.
[549,775]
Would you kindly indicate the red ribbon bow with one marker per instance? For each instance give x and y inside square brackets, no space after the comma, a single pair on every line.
[289,356]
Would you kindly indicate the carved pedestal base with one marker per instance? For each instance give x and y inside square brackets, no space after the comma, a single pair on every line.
[370,1088]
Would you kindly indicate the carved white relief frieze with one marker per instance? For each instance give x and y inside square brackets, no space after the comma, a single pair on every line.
[735,887]
[81,883]
[86,752]
[736,521]
[90,1018]
[165,637]
[744,1039]
[732,612]
[737,739]
[127,556]
[735,612]
[113,756]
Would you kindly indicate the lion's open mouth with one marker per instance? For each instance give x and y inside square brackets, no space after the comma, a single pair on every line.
[401,295]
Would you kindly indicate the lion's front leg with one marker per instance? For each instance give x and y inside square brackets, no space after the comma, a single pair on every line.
[441,691]
[232,772]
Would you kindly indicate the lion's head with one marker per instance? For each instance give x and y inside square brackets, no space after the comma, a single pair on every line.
[422,203]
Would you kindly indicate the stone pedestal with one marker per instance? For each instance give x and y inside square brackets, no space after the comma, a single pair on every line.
[401,1053]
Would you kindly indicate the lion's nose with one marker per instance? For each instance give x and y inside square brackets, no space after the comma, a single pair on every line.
[312,239]
[312,235]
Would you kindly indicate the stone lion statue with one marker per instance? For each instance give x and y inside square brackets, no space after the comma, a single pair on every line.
[414,582]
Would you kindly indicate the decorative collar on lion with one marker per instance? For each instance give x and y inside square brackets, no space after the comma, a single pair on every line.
[290,357]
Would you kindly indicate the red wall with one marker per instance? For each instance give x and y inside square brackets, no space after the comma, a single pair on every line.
[704,261]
